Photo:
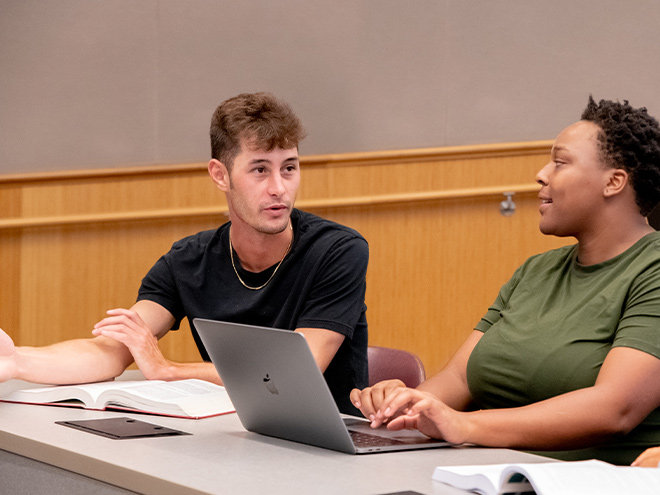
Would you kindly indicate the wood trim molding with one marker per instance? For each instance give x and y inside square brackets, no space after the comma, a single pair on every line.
[18,185]
[148,215]
[441,154]
[76,243]
[436,154]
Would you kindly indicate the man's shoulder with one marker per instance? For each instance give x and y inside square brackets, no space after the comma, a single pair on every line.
[311,224]
[198,242]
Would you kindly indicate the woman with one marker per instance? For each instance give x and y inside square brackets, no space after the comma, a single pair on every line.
[567,358]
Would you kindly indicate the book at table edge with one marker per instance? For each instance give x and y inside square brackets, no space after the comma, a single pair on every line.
[74,402]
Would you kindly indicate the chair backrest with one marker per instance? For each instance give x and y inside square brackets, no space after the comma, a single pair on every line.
[386,364]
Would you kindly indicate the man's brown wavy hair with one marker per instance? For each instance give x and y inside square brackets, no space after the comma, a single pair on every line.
[257,120]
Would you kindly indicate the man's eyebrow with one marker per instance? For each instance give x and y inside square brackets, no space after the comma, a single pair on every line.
[256,161]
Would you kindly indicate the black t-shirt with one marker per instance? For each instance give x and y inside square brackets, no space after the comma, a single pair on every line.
[320,284]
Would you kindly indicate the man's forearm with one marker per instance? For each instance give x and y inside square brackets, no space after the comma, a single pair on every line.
[182,371]
[73,361]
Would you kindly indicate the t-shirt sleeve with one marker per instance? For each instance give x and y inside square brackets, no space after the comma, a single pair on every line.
[159,286]
[639,326]
[336,300]
[494,312]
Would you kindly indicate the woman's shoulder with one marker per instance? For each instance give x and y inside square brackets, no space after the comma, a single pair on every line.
[552,257]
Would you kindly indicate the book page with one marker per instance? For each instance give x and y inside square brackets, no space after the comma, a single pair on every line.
[580,477]
[183,398]
[88,393]
[553,478]
[176,390]
[478,479]
[191,398]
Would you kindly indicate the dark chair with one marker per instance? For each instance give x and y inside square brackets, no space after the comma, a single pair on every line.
[386,364]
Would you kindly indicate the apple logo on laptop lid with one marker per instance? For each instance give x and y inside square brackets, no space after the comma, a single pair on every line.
[270,385]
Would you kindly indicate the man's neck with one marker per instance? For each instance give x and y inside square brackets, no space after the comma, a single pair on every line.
[258,251]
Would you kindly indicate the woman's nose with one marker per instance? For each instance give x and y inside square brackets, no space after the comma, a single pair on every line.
[542,175]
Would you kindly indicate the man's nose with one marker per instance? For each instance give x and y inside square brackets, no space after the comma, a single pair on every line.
[275,185]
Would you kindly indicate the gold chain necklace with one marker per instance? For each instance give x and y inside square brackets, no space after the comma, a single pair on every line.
[231,255]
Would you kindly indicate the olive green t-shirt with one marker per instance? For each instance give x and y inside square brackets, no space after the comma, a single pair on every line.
[552,325]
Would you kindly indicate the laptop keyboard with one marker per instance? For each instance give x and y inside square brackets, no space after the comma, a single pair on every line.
[361,439]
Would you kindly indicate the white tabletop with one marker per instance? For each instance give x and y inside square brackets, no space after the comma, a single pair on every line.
[221,457]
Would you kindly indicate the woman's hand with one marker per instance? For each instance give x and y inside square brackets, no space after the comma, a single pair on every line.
[392,403]
[413,409]
[368,400]
[648,458]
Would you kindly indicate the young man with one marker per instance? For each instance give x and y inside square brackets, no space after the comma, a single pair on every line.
[271,265]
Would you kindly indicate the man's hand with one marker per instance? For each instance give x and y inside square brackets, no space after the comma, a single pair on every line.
[8,359]
[126,326]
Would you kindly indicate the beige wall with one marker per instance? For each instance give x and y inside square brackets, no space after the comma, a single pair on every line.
[73,245]
[114,83]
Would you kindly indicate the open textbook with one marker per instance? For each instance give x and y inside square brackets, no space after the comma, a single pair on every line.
[183,398]
[552,478]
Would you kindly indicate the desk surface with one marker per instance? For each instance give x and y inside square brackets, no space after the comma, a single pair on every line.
[221,457]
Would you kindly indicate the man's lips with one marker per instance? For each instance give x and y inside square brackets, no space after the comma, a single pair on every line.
[276,208]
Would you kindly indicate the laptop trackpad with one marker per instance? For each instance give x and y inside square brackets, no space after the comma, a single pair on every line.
[404,436]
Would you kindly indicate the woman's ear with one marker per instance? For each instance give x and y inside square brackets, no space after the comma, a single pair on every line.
[219,174]
[618,179]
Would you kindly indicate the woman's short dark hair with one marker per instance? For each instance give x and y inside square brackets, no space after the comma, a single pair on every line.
[629,138]
[259,120]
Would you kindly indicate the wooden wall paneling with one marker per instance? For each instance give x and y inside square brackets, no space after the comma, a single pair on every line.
[10,274]
[75,246]
[436,267]
[10,206]
[72,275]
[167,190]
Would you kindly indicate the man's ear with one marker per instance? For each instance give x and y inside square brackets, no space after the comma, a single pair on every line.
[219,174]
[618,180]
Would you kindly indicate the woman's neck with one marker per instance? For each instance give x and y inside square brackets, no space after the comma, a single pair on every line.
[609,243]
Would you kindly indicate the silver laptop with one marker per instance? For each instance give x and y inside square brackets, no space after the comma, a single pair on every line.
[279,391]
